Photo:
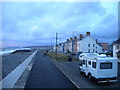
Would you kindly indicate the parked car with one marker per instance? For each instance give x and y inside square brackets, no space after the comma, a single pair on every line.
[73,53]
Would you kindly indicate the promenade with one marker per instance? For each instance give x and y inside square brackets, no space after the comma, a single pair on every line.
[45,74]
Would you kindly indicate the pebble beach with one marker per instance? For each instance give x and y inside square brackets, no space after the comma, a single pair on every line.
[11,61]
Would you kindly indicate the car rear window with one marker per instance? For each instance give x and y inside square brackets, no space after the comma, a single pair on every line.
[106,65]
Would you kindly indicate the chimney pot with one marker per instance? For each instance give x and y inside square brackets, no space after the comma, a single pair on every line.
[67,40]
[96,41]
[87,33]
[81,36]
[70,39]
[75,37]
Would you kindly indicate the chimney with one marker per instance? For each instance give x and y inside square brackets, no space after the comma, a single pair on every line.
[70,39]
[67,40]
[75,38]
[96,41]
[87,33]
[81,36]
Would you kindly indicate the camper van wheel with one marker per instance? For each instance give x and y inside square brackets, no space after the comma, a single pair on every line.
[89,76]
[80,71]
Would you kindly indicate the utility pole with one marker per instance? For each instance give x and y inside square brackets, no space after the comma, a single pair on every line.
[56,44]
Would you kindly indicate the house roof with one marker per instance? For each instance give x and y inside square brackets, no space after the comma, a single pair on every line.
[104,45]
[117,41]
[99,44]
[92,39]
[86,37]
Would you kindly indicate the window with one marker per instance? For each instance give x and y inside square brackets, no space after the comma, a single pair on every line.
[89,62]
[93,45]
[89,50]
[93,50]
[117,46]
[106,65]
[94,64]
[88,45]
[84,62]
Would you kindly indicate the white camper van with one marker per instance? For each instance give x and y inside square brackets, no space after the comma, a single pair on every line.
[99,67]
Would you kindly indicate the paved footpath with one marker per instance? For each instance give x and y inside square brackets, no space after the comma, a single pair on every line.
[45,74]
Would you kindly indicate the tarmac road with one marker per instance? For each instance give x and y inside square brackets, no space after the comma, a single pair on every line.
[45,74]
[71,70]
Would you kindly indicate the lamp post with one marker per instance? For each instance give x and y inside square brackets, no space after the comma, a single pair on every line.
[56,44]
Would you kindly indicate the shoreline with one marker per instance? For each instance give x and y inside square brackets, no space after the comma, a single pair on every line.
[11,61]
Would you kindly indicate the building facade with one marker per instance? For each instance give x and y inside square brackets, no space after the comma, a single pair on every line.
[116,47]
[85,44]
[89,45]
[70,45]
[104,47]
[75,45]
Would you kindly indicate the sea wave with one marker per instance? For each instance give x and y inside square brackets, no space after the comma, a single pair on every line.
[9,51]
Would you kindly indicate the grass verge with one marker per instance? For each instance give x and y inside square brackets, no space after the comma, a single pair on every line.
[60,56]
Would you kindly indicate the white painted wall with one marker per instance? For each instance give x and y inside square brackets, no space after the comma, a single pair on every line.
[99,49]
[115,50]
[83,45]
[54,48]
[65,48]
[61,47]
[70,46]
[78,46]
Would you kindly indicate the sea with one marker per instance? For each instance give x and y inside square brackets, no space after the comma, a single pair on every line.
[9,50]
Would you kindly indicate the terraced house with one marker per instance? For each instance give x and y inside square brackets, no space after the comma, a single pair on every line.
[81,44]
[88,44]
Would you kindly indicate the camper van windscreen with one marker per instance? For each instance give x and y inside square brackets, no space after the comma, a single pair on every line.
[105,65]
[92,54]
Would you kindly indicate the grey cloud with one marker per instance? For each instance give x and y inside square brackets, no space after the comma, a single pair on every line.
[49,18]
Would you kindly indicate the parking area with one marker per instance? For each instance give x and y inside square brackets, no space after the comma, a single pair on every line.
[71,70]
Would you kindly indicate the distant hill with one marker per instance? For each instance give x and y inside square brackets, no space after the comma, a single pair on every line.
[12,47]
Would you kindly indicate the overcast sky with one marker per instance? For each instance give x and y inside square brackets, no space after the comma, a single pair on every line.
[36,23]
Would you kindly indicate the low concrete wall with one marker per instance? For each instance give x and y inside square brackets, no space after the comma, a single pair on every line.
[11,79]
